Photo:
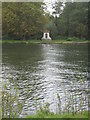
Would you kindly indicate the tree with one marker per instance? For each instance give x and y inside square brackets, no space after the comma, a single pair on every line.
[72,18]
[81,30]
[22,20]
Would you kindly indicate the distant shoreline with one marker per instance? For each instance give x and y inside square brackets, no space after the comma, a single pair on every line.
[46,41]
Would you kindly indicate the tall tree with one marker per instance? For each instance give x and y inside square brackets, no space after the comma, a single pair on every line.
[72,18]
[22,20]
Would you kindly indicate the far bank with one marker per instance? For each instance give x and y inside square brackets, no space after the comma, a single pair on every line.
[79,41]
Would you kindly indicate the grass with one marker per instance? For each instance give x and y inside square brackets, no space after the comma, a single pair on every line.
[45,41]
[65,115]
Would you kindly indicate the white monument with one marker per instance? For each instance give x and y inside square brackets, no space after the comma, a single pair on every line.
[46,35]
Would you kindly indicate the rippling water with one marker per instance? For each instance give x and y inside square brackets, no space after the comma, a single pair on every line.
[46,70]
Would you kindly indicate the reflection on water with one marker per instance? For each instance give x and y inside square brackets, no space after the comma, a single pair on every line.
[46,70]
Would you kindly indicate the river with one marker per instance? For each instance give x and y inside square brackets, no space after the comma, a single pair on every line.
[46,69]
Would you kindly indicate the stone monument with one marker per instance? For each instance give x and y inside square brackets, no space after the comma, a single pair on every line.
[46,35]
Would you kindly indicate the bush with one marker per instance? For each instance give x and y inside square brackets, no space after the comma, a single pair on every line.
[59,37]
[74,39]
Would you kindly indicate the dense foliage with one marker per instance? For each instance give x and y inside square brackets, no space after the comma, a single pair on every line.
[22,20]
[72,20]
[88,20]
[27,20]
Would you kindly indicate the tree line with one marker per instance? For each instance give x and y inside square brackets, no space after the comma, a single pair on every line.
[72,20]
[24,21]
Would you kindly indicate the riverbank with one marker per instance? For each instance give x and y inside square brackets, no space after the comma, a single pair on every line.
[65,115]
[46,41]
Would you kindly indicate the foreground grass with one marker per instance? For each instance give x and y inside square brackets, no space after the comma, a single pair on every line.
[45,41]
[65,115]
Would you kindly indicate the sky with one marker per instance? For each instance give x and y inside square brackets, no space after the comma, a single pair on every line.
[49,5]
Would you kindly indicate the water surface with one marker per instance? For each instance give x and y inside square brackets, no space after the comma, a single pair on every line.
[46,69]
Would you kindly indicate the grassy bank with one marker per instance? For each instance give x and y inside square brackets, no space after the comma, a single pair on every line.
[65,115]
[45,41]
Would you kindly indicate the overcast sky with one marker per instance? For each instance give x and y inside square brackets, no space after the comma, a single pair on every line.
[49,5]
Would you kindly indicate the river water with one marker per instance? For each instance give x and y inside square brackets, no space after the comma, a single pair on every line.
[47,69]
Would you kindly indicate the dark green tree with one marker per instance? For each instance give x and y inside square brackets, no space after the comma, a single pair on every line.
[72,21]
